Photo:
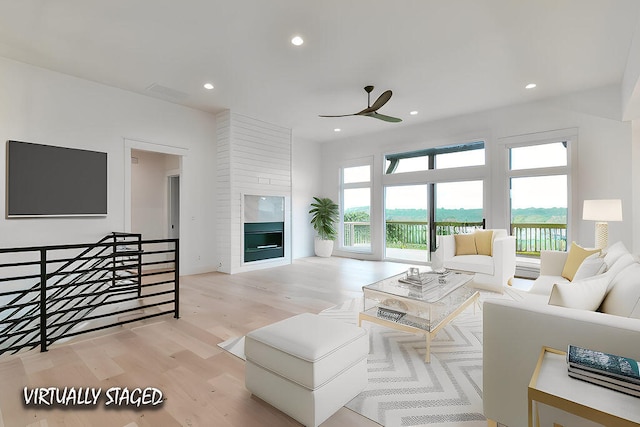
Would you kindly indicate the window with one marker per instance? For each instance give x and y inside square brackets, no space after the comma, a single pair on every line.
[459,207]
[356,174]
[355,215]
[539,196]
[538,156]
[453,156]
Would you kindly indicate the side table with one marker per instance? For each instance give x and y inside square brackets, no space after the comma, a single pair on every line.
[551,385]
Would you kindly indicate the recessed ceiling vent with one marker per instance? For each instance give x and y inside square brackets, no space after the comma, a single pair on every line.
[167,92]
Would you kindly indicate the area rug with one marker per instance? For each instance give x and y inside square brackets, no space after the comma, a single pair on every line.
[403,390]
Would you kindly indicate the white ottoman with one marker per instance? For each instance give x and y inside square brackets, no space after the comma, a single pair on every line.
[308,366]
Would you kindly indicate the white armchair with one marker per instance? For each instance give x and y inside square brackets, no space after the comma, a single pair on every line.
[494,268]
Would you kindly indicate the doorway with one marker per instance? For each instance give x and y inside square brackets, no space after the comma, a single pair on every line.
[155,194]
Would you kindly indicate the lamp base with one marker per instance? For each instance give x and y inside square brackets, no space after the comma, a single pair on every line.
[602,235]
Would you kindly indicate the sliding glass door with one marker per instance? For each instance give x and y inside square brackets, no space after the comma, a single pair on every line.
[416,214]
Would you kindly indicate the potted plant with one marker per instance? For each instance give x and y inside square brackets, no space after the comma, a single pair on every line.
[324,215]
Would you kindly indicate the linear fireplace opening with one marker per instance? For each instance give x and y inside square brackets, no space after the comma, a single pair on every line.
[263,227]
[263,240]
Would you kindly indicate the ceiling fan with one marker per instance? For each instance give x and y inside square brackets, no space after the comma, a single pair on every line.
[372,110]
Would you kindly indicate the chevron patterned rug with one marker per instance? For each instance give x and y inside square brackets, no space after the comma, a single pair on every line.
[403,390]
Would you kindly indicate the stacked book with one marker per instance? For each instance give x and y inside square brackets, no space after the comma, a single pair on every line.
[423,281]
[604,369]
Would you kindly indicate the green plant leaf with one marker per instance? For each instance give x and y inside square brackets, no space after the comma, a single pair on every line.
[324,216]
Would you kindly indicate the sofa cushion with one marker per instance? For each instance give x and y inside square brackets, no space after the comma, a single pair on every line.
[621,263]
[543,284]
[613,253]
[465,244]
[473,263]
[623,298]
[586,294]
[591,266]
[484,242]
[575,257]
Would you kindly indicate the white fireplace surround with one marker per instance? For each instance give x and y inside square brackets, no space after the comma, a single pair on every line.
[253,159]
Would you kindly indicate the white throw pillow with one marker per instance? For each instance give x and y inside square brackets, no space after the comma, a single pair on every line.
[591,266]
[614,252]
[621,264]
[586,294]
[623,298]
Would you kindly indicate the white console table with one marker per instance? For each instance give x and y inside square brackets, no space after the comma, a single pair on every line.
[551,385]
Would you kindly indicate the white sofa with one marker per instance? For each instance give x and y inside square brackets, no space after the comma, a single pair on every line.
[515,331]
[491,272]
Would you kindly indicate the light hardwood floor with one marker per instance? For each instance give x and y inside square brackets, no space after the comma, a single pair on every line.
[203,385]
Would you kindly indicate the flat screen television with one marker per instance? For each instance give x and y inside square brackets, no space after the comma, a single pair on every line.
[43,180]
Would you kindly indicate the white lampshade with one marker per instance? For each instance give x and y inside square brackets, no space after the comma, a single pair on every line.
[602,210]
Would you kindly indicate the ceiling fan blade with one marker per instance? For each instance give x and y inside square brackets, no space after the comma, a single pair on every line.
[365,112]
[342,115]
[385,118]
[382,99]
[371,110]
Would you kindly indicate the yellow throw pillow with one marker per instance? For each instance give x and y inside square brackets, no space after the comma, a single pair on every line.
[484,242]
[465,244]
[576,255]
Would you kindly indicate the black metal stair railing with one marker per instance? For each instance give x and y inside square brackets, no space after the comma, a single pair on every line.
[47,295]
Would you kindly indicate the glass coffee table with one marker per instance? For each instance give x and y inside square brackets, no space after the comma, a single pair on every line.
[424,309]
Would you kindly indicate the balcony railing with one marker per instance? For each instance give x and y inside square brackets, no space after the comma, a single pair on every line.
[533,238]
[357,233]
[530,238]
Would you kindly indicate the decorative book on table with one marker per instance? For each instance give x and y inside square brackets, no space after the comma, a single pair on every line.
[419,280]
[604,381]
[608,370]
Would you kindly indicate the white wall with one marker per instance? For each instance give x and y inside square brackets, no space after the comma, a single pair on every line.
[635,182]
[307,182]
[604,165]
[51,108]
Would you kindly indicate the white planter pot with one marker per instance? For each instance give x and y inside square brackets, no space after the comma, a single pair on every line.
[323,248]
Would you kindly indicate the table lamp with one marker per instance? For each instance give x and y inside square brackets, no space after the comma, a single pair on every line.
[602,211]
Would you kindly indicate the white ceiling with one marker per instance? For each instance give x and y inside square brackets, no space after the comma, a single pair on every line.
[440,57]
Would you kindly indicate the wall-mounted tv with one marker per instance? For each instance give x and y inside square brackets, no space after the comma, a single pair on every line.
[43,180]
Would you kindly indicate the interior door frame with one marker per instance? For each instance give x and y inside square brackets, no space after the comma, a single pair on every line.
[132,144]
[170,201]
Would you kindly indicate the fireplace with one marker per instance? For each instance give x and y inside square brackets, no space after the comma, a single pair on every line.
[263,228]
[263,240]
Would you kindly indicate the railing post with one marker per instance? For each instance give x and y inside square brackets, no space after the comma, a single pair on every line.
[114,249]
[43,300]
[139,265]
[176,279]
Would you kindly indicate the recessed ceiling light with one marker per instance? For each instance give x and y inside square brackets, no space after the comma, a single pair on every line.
[530,86]
[297,41]
[208,86]
[413,113]
[337,130]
